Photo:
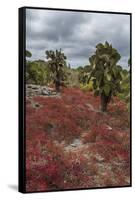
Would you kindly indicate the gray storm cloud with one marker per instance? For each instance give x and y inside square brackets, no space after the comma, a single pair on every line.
[76,33]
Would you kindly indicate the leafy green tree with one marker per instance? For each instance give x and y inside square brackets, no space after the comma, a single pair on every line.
[105,73]
[56,63]
[125,86]
[129,62]
[37,72]
[28,53]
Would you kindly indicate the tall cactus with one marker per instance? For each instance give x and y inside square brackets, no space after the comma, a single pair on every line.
[105,73]
[56,63]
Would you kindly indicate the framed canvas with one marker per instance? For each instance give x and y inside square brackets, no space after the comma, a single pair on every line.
[74,99]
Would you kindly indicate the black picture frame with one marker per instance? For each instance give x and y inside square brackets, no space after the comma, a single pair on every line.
[22,97]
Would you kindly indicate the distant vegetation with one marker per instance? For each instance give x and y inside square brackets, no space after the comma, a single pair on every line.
[103,75]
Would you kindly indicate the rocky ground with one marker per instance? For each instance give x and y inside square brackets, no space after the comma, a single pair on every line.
[33,90]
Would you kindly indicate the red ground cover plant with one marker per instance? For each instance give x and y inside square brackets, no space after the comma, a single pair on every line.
[71,144]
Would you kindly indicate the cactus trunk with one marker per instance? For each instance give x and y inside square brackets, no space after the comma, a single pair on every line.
[57,83]
[104,102]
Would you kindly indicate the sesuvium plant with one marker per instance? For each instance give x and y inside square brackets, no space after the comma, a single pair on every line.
[56,63]
[105,73]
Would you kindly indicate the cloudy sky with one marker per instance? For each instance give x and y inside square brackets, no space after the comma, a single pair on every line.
[76,33]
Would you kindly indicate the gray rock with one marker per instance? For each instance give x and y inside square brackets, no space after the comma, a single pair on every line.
[45,92]
[32,90]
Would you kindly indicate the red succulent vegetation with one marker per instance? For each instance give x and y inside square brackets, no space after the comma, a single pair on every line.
[71,144]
